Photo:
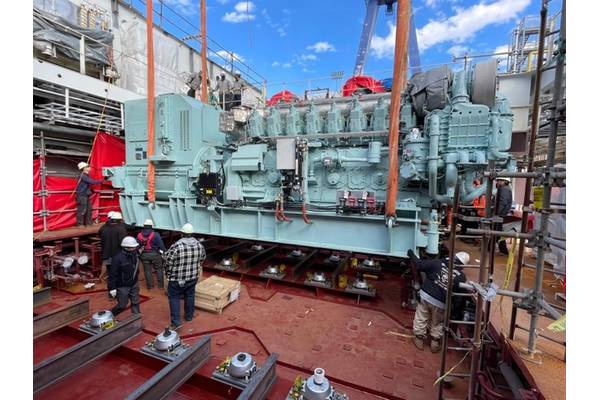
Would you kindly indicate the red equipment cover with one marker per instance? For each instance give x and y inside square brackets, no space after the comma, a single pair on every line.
[107,151]
[285,96]
[362,81]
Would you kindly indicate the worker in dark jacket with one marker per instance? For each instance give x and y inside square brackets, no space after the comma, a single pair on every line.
[503,208]
[432,303]
[83,192]
[111,236]
[152,248]
[123,279]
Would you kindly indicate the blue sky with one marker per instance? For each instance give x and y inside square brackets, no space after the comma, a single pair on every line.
[293,43]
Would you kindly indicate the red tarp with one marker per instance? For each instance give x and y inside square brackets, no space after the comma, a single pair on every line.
[362,81]
[107,151]
[284,96]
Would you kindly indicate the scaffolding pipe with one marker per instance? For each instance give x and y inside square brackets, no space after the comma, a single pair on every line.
[448,310]
[402,23]
[549,309]
[204,68]
[150,98]
[43,173]
[486,242]
[488,232]
[508,174]
[550,160]
[535,115]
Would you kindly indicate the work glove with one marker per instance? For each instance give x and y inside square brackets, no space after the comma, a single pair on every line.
[113,293]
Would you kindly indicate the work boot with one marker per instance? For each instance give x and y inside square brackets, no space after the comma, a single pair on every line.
[419,342]
[435,345]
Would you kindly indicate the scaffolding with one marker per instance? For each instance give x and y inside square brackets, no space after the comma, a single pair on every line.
[484,290]
[524,43]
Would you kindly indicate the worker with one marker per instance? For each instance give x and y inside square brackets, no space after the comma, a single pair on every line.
[123,279]
[111,234]
[237,89]
[223,87]
[432,303]
[478,210]
[479,203]
[152,248]
[183,266]
[83,192]
[504,201]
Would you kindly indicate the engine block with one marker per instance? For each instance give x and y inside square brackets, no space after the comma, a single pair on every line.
[315,173]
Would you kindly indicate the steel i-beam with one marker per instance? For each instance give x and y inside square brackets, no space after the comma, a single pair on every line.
[171,377]
[261,383]
[56,319]
[65,363]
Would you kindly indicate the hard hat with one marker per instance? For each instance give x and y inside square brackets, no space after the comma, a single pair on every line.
[237,73]
[187,228]
[129,241]
[110,214]
[82,165]
[463,257]
[503,179]
[116,215]
[148,222]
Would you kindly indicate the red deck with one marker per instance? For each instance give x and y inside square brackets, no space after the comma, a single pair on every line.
[352,343]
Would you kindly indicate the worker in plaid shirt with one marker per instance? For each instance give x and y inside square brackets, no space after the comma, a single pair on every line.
[183,266]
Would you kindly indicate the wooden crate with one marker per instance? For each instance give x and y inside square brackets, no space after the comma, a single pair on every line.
[215,293]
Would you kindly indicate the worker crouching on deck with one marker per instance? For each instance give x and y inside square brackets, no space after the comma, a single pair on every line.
[183,265]
[432,303]
[123,279]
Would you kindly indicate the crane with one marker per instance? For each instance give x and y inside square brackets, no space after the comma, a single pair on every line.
[367,34]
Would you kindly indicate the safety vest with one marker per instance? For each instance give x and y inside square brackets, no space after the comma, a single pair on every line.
[479,204]
[146,242]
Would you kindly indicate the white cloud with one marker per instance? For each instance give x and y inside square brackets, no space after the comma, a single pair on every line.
[431,3]
[229,56]
[458,50]
[275,64]
[463,25]
[308,57]
[321,47]
[280,27]
[466,22]
[223,2]
[287,65]
[244,7]
[183,6]
[243,11]
[383,47]
[502,58]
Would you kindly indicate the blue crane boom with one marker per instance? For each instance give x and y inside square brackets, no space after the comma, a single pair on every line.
[367,34]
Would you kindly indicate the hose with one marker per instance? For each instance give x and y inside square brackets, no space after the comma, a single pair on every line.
[305,215]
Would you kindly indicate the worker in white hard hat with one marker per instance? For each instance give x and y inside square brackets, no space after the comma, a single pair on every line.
[123,279]
[183,266]
[503,202]
[152,248]
[111,236]
[83,192]
[432,294]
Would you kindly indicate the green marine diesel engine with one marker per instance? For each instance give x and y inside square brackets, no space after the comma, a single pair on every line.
[314,173]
